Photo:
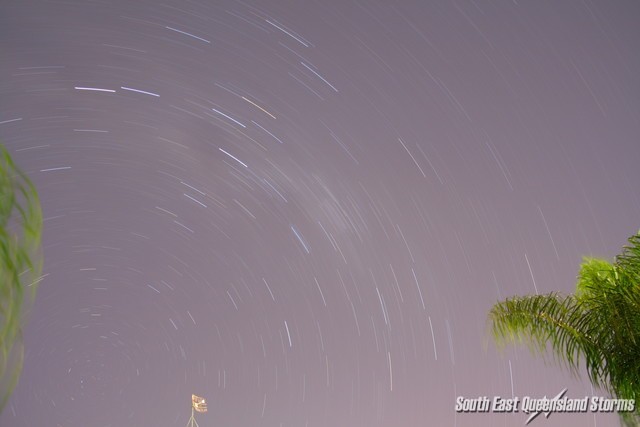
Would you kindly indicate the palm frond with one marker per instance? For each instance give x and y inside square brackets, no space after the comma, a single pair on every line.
[20,265]
[540,320]
[600,324]
[629,260]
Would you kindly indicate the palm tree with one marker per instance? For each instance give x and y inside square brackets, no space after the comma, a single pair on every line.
[20,265]
[599,324]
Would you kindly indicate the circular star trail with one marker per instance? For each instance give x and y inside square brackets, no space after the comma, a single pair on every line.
[303,211]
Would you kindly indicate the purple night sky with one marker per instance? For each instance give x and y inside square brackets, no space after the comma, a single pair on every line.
[303,211]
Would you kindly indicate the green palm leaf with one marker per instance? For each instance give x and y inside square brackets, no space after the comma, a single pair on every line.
[599,325]
[20,265]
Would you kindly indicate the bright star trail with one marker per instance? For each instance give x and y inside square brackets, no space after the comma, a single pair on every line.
[303,211]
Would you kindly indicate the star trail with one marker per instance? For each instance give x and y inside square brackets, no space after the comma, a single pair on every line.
[303,211]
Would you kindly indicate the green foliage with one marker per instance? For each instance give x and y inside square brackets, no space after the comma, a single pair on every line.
[599,324]
[20,265]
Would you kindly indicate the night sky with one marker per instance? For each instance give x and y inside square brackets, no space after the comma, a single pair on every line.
[303,211]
